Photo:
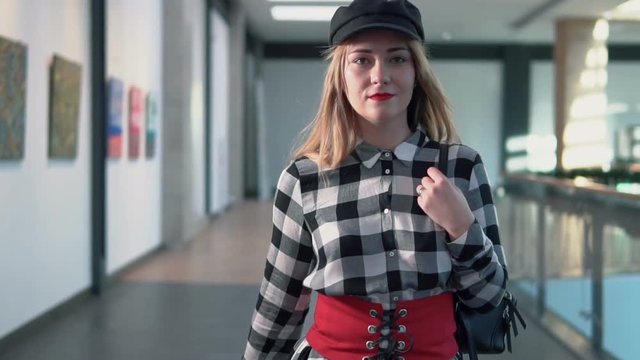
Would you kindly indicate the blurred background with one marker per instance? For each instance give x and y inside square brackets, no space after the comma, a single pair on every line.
[141,141]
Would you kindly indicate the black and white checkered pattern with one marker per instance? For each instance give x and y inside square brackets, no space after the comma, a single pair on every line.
[358,230]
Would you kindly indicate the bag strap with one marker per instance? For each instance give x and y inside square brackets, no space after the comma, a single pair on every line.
[511,307]
[512,324]
[443,161]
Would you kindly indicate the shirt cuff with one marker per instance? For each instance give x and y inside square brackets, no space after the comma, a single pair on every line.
[473,240]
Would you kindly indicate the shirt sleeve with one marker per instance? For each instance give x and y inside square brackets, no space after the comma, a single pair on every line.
[479,266]
[283,301]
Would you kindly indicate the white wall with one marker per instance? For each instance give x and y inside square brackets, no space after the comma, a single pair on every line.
[292,94]
[474,89]
[45,215]
[238,103]
[194,210]
[292,91]
[183,190]
[622,95]
[541,97]
[134,55]
[219,135]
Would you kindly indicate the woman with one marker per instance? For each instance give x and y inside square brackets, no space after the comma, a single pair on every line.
[364,217]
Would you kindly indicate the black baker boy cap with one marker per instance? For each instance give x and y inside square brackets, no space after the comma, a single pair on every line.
[399,15]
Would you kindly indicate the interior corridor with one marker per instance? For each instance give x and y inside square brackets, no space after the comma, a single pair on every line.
[190,302]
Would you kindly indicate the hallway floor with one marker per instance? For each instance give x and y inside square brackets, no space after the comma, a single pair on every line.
[192,302]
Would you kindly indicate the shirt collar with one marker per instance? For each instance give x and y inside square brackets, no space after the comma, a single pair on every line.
[405,151]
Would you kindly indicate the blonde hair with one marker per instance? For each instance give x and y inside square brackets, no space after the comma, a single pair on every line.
[333,134]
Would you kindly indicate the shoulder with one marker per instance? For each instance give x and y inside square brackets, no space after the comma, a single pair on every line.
[304,166]
[464,153]
[463,161]
[300,167]
[297,173]
[457,152]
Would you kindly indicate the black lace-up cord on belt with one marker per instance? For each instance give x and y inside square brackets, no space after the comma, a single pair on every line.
[389,347]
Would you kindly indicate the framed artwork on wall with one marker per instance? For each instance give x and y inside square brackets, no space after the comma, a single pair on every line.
[64,108]
[151,125]
[136,118]
[13,85]
[115,106]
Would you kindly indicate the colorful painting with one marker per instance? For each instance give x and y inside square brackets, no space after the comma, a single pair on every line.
[115,107]
[152,125]
[64,109]
[13,86]
[136,118]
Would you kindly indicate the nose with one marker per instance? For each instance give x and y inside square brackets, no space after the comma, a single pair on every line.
[379,73]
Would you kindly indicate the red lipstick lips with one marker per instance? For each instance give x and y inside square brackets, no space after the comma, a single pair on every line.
[381,96]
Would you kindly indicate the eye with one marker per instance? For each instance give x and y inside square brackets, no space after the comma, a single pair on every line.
[360,61]
[398,60]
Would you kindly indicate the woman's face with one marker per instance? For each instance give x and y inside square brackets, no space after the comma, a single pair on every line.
[379,76]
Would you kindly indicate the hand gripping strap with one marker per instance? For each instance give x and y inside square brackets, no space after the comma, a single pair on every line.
[490,328]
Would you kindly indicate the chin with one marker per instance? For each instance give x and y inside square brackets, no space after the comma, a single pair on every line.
[379,118]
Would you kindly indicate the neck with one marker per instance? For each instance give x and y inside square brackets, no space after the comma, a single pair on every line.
[384,136]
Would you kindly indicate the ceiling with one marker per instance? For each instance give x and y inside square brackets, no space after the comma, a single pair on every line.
[463,21]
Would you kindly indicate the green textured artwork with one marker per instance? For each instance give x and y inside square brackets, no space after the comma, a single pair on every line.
[13,78]
[66,77]
[151,125]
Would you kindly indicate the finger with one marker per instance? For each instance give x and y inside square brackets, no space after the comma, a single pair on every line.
[435,174]
[419,189]
[427,181]
[422,202]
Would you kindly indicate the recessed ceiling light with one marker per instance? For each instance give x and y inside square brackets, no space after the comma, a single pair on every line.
[313,1]
[303,13]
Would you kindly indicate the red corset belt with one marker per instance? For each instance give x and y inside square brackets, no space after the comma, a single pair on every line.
[350,328]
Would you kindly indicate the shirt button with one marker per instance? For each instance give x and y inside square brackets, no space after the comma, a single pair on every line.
[387,154]
[386,211]
[391,253]
[387,171]
[395,298]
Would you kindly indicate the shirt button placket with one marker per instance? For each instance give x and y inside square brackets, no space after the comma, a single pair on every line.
[387,163]
[387,218]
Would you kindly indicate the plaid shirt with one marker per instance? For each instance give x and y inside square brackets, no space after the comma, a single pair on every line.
[358,230]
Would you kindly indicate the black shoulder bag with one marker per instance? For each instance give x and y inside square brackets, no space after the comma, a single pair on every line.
[483,332]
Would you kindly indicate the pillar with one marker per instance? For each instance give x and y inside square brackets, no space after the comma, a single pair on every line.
[581,59]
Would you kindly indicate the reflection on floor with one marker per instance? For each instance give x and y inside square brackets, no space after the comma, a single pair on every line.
[191,303]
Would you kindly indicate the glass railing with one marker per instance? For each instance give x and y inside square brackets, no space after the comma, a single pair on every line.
[574,256]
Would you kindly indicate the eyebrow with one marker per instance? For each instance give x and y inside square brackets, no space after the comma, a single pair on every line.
[390,50]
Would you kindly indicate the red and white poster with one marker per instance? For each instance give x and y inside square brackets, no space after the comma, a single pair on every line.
[136,121]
